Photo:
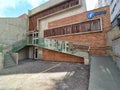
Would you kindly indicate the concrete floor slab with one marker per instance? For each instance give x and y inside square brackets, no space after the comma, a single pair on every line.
[43,75]
[104,74]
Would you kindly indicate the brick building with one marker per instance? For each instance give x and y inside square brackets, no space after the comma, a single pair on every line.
[68,20]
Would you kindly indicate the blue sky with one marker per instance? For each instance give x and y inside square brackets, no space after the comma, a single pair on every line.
[14,8]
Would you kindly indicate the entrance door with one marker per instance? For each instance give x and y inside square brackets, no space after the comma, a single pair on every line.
[31,52]
[35,53]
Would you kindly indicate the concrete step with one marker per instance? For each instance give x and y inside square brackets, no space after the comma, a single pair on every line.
[8,61]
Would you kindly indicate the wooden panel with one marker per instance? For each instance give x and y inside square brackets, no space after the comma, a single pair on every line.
[93,25]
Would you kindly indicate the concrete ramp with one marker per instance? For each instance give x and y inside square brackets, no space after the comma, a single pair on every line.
[104,74]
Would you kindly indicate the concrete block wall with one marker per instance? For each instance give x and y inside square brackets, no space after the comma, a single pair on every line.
[94,40]
[112,34]
[12,30]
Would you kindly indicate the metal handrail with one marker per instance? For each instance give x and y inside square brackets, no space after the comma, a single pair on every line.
[1,47]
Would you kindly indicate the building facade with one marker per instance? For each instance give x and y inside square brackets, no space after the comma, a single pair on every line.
[61,31]
[67,20]
[115,11]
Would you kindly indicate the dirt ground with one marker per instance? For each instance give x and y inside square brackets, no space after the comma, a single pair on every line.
[43,75]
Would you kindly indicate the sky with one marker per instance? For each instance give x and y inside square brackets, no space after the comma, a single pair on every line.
[15,8]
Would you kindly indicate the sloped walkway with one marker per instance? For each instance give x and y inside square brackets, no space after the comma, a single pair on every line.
[104,75]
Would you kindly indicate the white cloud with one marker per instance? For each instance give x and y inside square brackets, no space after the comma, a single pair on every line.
[91,4]
[13,3]
[6,4]
[35,3]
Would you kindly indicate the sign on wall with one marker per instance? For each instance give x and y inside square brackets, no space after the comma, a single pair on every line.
[92,14]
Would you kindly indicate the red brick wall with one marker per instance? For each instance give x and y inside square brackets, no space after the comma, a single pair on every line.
[93,39]
[82,17]
[50,55]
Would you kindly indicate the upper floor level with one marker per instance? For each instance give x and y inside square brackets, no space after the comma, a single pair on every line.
[54,7]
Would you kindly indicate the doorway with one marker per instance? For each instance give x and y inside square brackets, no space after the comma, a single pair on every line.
[36,53]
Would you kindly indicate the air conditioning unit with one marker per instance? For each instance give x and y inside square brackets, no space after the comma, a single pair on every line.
[118,21]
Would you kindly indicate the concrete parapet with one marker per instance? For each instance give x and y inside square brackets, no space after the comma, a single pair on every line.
[15,57]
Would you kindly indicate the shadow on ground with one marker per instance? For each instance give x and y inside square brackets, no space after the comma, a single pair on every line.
[39,66]
[46,76]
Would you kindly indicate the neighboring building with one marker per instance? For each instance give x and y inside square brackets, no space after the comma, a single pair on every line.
[114,9]
[102,3]
[113,36]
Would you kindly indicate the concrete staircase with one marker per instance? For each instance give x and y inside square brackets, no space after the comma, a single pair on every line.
[8,60]
[19,45]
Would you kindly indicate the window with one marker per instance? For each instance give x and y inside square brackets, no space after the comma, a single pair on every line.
[111,2]
[87,26]
[113,8]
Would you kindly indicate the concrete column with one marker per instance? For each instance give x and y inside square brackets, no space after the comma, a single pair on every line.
[1,61]
[15,57]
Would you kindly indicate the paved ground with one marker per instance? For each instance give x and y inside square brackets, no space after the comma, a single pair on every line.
[39,75]
[104,74]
